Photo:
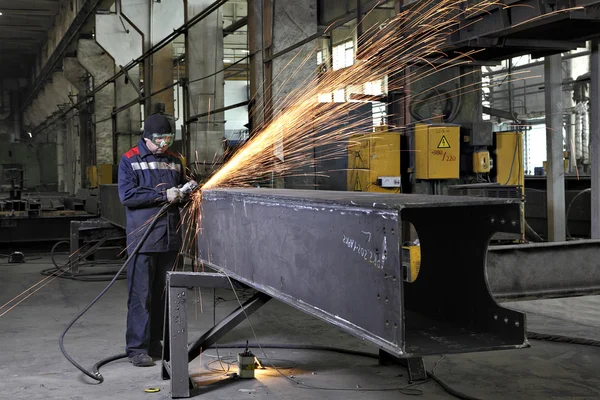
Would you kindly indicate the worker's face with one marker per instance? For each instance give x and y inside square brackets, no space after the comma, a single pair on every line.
[160,142]
[154,149]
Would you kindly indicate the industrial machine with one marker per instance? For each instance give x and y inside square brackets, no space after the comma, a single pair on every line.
[374,162]
[441,159]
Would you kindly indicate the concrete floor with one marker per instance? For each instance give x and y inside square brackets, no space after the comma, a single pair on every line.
[32,367]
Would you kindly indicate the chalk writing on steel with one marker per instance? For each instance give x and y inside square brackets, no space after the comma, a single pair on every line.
[370,256]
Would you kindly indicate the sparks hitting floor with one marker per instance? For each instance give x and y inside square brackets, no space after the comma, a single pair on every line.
[32,367]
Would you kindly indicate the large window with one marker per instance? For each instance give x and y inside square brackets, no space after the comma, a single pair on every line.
[343,55]
[377,88]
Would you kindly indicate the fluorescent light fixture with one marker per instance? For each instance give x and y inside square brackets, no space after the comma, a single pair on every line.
[0,13]
[226,60]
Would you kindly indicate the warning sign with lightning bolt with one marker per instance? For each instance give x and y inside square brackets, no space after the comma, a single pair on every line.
[444,144]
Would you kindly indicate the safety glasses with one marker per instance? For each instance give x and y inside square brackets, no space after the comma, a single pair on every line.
[162,140]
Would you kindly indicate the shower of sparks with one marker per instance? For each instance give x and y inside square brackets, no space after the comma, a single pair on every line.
[414,38]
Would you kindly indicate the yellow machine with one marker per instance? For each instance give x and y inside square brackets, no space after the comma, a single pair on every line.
[374,162]
[509,158]
[437,151]
[100,175]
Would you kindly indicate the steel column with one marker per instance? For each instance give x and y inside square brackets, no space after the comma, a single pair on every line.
[595,137]
[555,173]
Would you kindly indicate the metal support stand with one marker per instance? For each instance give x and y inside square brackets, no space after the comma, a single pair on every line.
[176,353]
[89,238]
[414,365]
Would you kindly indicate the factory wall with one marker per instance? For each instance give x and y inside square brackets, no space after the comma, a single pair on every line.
[68,10]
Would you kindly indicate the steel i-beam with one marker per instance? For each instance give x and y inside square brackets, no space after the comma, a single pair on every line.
[337,256]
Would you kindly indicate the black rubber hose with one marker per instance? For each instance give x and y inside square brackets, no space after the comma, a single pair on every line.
[103,362]
[88,277]
[54,249]
[448,389]
[97,376]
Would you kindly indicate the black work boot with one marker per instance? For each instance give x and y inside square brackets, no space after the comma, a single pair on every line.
[141,360]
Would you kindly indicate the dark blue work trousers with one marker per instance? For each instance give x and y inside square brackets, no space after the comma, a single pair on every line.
[146,280]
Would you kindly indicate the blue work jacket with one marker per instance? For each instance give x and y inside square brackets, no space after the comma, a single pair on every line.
[143,181]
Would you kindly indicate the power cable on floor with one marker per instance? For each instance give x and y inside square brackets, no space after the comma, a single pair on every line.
[407,390]
[83,277]
[95,374]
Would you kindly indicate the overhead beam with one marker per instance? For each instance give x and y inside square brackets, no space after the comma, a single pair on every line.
[235,26]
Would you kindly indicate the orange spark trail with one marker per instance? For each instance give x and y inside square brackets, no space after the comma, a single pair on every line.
[414,36]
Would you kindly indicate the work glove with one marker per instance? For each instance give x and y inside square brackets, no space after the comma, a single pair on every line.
[173,194]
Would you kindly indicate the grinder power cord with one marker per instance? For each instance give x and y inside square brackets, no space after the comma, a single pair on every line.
[183,192]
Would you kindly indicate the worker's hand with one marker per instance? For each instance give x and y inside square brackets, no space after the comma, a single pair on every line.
[173,194]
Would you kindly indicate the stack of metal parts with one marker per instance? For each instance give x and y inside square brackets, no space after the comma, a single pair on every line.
[35,216]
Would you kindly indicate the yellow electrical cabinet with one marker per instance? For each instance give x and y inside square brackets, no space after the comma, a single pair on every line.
[371,157]
[509,158]
[437,151]
[100,175]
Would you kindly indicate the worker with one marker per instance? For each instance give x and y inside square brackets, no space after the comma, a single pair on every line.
[149,176]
